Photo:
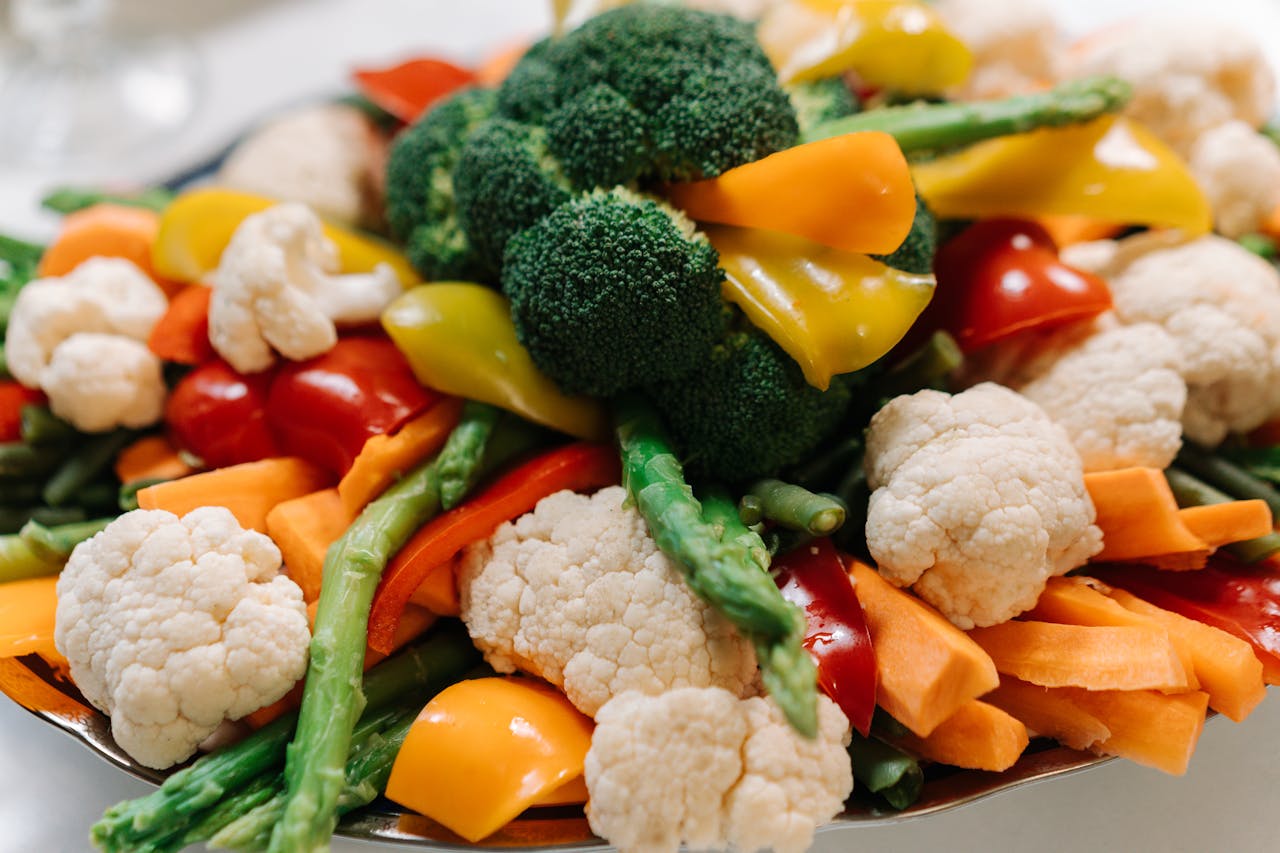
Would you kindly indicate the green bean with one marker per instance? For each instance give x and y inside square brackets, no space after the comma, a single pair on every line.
[41,426]
[1190,491]
[797,508]
[22,461]
[91,460]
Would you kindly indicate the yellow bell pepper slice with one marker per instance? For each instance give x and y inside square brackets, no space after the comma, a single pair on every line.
[1111,169]
[27,609]
[832,311]
[197,226]
[459,339]
[483,751]
[891,44]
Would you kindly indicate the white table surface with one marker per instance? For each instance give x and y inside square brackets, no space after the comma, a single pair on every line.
[261,55]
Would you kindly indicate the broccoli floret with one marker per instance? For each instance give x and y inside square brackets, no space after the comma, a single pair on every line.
[505,181]
[915,255]
[748,412]
[420,204]
[694,89]
[816,101]
[613,290]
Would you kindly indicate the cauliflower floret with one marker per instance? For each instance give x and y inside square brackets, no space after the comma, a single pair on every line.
[1117,390]
[172,626]
[1221,305]
[578,593]
[1239,171]
[1015,44]
[276,287]
[81,338]
[1188,75]
[978,500]
[327,157]
[701,767]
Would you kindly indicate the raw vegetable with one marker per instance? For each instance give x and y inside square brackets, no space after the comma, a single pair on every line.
[797,508]
[886,771]
[303,528]
[1139,518]
[917,251]
[27,614]
[72,199]
[219,416]
[978,736]
[37,550]
[104,230]
[1243,528]
[249,489]
[84,466]
[41,426]
[18,262]
[14,397]
[821,100]
[408,89]
[1224,474]
[1043,711]
[151,457]
[182,334]
[1152,729]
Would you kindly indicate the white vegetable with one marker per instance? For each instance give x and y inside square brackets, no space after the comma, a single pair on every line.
[172,626]
[82,339]
[276,286]
[1015,44]
[578,593]
[701,767]
[978,500]
[1239,171]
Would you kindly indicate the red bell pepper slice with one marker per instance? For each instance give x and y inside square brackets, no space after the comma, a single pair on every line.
[814,578]
[408,89]
[220,415]
[182,334]
[1002,276]
[579,467]
[13,396]
[1242,600]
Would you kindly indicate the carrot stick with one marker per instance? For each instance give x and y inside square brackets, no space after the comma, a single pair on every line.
[1222,524]
[303,529]
[106,230]
[151,457]
[977,736]
[1140,522]
[1150,728]
[182,334]
[1046,713]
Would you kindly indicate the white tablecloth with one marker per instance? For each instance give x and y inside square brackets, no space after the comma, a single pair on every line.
[259,56]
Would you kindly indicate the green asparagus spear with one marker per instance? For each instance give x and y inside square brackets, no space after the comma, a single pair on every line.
[797,508]
[70,199]
[886,771]
[91,460]
[458,470]
[1190,491]
[930,127]
[1227,476]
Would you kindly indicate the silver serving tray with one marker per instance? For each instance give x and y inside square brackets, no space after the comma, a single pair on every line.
[35,686]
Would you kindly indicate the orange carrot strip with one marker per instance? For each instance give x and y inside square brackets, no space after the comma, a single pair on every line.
[105,230]
[249,490]
[977,736]
[1224,523]
[151,457]
[385,458]
[1047,713]
[304,528]
[1139,520]
[1150,728]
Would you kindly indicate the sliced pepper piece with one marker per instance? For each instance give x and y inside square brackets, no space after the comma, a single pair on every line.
[197,226]
[27,610]
[1112,169]
[408,88]
[459,339]
[890,44]
[832,311]
[484,750]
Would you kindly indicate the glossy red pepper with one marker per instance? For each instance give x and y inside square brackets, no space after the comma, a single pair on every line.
[1003,276]
[814,578]
[408,89]
[220,416]
[1242,600]
[13,396]
[182,334]
[579,467]
[325,408]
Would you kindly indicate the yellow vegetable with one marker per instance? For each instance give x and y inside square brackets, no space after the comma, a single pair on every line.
[832,311]
[483,751]
[197,226]
[27,610]
[1112,169]
[459,339]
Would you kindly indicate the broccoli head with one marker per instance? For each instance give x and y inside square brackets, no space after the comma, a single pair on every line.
[818,101]
[915,255]
[613,290]
[420,192]
[692,92]
[748,412]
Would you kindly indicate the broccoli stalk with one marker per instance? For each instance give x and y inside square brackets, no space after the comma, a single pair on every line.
[933,127]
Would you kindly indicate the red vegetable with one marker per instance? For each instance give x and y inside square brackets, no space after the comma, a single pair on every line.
[814,578]
[1242,600]
[325,408]
[408,89]
[182,334]
[220,415]
[1003,276]
[579,467]
[13,396]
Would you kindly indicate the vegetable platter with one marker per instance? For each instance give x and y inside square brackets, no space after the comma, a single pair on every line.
[1038,361]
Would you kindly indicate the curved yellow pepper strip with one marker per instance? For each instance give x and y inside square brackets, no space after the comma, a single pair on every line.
[27,610]
[1112,169]
[832,311]
[197,226]
[459,339]
[893,44]
[483,751]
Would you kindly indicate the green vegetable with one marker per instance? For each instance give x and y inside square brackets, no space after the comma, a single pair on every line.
[70,199]
[1190,491]
[41,426]
[931,127]
[420,206]
[18,262]
[797,508]
[458,470]
[746,411]
[1227,476]
[13,519]
[723,562]
[127,496]
[19,460]
[819,101]
[1262,245]
[917,251]
[331,699]
[750,510]
[86,464]
[886,771]
[612,290]
[37,550]
[185,797]
[600,139]
[929,366]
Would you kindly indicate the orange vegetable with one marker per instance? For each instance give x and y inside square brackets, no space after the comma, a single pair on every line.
[571,793]
[850,192]
[385,458]
[249,490]
[1052,655]
[182,334]
[928,668]
[151,457]
[1140,521]
[104,230]
[438,592]
[304,528]
[1224,523]
[26,618]
[484,750]
[495,67]
[1044,712]
[1271,225]
[1067,230]
[977,736]
[1150,728]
